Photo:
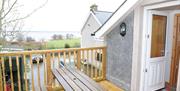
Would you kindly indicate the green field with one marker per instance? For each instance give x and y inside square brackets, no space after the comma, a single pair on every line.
[54,44]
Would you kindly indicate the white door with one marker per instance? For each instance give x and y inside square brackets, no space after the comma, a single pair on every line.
[156,51]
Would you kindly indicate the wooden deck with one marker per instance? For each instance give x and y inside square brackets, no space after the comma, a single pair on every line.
[106,84]
[109,86]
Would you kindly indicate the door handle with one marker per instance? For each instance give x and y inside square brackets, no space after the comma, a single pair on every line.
[146,70]
[162,52]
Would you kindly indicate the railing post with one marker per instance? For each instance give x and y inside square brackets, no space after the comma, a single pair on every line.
[104,63]
[1,83]
[79,59]
[49,72]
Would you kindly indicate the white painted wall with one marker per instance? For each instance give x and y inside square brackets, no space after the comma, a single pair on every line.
[137,40]
[87,40]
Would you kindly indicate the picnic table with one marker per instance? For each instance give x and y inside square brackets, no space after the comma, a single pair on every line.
[72,79]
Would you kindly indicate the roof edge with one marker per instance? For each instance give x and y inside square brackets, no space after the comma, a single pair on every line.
[90,13]
[123,11]
[85,22]
[103,11]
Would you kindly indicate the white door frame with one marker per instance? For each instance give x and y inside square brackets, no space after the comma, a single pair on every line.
[144,38]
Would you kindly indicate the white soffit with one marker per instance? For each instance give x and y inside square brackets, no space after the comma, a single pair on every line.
[128,6]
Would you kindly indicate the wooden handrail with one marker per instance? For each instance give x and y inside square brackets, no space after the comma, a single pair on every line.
[45,51]
[91,61]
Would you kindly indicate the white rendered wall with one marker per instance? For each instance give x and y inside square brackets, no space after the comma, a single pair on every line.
[88,40]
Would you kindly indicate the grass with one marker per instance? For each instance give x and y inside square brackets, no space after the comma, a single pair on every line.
[53,44]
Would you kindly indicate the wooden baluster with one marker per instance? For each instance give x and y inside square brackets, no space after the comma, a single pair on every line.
[11,73]
[49,72]
[79,59]
[1,79]
[95,64]
[87,62]
[93,61]
[38,72]
[100,63]
[45,75]
[59,59]
[64,58]
[32,71]
[18,72]
[25,72]
[74,58]
[69,55]
[82,61]
[53,60]
[54,66]
[4,74]
[104,63]
[92,64]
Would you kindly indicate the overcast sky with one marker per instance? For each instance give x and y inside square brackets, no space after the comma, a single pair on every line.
[62,15]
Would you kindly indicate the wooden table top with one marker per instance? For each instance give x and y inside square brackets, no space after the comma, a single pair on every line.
[74,80]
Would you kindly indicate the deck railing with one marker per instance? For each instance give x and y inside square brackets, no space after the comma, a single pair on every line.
[31,70]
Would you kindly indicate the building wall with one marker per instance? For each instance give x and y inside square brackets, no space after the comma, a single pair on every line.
[87,40]
[119,54]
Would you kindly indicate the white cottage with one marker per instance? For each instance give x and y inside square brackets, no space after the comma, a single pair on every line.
[94,21]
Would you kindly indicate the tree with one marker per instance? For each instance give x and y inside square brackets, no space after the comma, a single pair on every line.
[11,20]
[57,37]
[66,46]
[29,39]
[60,37]
[20,37]
[54,37]
[69,36]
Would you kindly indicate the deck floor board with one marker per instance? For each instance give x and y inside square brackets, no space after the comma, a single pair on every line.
[109,86]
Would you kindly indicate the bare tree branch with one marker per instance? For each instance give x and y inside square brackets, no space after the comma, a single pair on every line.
[9,10]
[2,7]
[28,15]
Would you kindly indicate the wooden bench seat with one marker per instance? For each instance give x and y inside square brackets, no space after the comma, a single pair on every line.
[74,80]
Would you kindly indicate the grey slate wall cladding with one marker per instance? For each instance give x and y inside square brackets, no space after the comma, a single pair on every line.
[119,54]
